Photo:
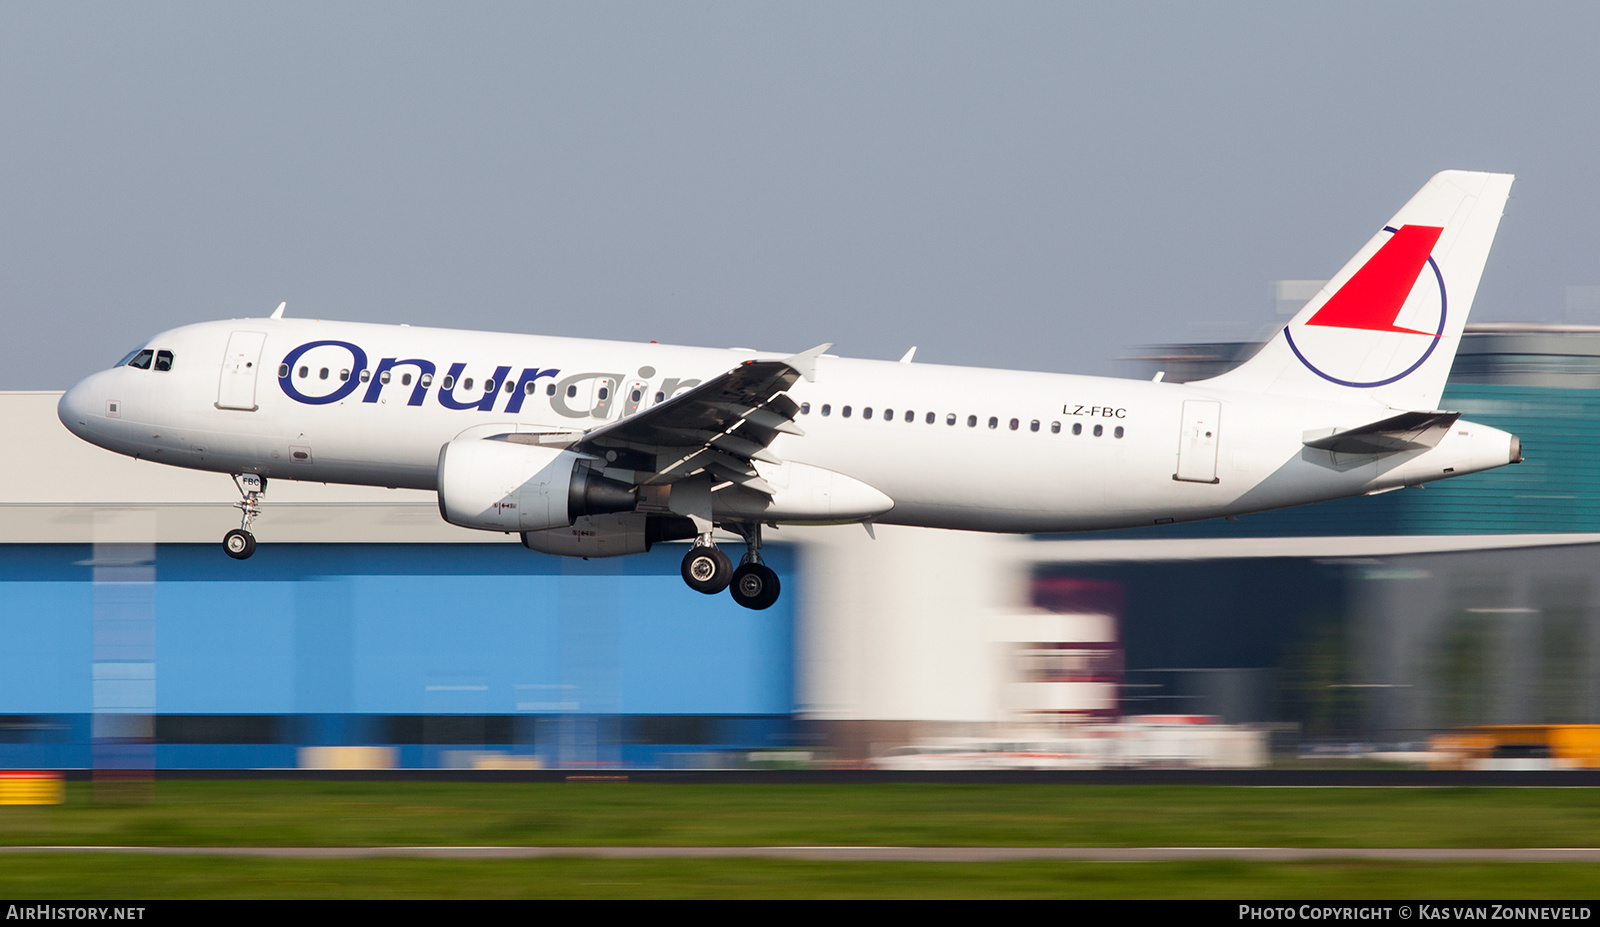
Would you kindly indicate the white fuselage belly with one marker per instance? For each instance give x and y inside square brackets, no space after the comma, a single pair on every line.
[939,475]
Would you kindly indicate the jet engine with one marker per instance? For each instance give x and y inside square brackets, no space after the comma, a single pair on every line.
[501,485]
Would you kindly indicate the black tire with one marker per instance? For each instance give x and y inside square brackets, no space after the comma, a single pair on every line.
[707,570]
[239,544]
[754,586]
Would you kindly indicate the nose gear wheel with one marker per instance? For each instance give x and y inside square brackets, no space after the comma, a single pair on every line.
[240,543]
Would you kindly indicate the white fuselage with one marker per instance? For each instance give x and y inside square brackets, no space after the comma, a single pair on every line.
[1047,452]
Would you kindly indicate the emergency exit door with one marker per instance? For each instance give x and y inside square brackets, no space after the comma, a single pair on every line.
[1197,444]
[237,388]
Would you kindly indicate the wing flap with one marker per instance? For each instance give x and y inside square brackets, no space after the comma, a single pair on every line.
[1404,432]
[720,426]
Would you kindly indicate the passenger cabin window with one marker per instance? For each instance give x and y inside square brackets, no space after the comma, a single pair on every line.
[383,377]
[550,389]
[1014,424]
[448,382]
[805,408]
[366,376]
[867,412]
[1033,425]
[1099,430]
[571,391]
[1055,428]
[405,379]
[466,383]
[950,419]
[306,371]
[888,415]
[427,380]
[283,370]
[1077,428]
[488,385]
[1118,432]
[972,421]
[143,359]
[845,411]
[604,394]
[512,387]
[530,388]
[323,374]
[163,360]
[994,422]
[344,375]
[826,409]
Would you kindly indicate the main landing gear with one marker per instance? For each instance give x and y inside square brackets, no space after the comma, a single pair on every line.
[752,584]
[240,543]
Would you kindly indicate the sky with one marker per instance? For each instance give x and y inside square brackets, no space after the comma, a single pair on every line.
[1035,185]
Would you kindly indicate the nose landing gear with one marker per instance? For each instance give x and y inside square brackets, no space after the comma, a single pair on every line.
[240,543]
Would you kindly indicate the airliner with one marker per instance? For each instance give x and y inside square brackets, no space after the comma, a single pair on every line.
[591,448]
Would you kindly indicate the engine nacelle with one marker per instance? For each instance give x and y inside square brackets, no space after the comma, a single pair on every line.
[501,485]
[609,535]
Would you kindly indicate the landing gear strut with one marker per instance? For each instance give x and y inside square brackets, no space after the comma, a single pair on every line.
[754,585]
[240,543]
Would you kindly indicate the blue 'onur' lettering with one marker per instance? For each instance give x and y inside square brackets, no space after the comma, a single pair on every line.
[448,399]
[424,368]
[358,361]
[520,392]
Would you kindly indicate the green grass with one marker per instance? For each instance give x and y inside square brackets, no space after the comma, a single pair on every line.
[93,875]
[310,813]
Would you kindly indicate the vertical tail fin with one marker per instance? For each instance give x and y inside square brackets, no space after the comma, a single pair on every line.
[1386,327]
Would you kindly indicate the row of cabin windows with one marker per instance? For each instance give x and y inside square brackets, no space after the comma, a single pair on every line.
[951,419]
[448,382]
[148,359]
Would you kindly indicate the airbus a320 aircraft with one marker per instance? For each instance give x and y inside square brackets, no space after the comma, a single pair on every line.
[600,448]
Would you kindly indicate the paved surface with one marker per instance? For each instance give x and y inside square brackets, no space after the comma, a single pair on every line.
[1421,778]
[891,854]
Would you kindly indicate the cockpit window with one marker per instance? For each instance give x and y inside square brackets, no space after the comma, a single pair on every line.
[163,360]
[142,359]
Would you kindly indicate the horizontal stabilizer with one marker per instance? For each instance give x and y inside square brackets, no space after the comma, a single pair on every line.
[1407,431]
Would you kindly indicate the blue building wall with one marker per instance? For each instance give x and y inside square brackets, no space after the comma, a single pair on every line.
[362,644]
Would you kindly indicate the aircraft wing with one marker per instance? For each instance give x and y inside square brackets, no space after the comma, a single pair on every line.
[721,426]
[1403,432]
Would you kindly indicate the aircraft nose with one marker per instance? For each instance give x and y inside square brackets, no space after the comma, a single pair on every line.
[75,407]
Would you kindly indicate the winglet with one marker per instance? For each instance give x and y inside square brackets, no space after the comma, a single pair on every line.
[806,361]
[278,312]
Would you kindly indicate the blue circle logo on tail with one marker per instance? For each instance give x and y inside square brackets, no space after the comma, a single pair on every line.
[1365,312]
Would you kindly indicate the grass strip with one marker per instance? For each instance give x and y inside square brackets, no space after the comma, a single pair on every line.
[90,875]
[308,813]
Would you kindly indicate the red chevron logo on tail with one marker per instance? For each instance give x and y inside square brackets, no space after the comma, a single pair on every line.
[1372,298]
